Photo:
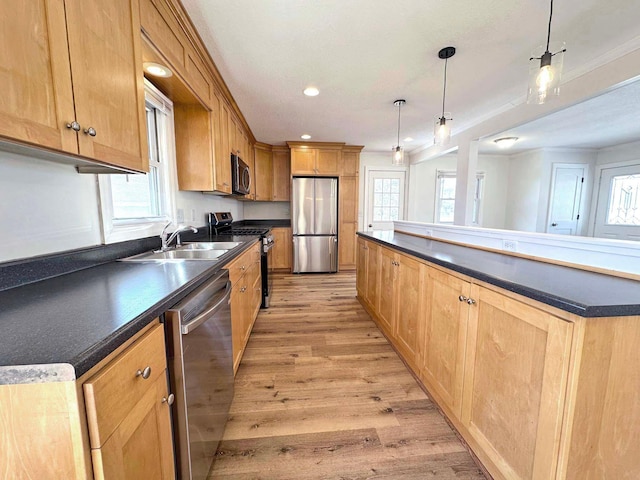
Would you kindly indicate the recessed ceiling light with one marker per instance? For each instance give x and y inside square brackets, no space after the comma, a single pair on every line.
[505,142]
[157,70]
[408,139]
[311,91]
[306,136]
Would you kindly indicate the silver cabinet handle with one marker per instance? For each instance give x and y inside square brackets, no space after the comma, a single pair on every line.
[75,126]
[462,298]
[169,400]
[470,301]
[146,373]
[90,131]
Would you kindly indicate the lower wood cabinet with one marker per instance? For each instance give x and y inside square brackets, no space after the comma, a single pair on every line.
[281,253]
[246,296]
[537,393]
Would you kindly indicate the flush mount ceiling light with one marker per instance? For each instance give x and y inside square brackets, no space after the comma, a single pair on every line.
[306,136]
[442,129]
[398,151]
[408,139]
[544,77]
[505,142]
[311,91]
[157,70]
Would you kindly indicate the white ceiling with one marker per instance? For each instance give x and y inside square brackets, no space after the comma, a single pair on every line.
[612,118]
[364,54]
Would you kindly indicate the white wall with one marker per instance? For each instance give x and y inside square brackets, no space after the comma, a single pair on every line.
[47,207]
[496,170]
[422,187]
[523,191]
[619,153]
[267,210]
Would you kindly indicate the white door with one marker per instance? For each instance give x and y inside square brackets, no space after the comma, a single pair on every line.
[618,204]
[385,198]
[567,189]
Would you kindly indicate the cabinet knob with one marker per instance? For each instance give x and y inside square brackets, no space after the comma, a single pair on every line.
[169,400]
[470,301]
[462,298]
[243,289]
[243,267]
[75,126]
[90,131]
[145,373]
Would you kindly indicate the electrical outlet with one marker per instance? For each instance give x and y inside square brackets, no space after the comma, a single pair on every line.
[180,215]
[510,245]
[428,233]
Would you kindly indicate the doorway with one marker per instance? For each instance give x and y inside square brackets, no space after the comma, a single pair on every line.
[618,203]
[385,198]
[568,188]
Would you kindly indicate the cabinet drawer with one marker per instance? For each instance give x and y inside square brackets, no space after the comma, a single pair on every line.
[113,391]
[241,265]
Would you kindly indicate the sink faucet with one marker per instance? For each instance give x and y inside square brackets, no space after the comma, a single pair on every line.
[167,241]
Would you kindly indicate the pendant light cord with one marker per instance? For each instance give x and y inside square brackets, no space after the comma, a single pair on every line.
[399,107]
[549,30]
[444,90]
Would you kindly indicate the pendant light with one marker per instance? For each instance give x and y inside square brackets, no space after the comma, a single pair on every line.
[398,150]
[544,77]
[442,129]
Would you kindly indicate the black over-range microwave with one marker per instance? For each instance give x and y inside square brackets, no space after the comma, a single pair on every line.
[240,176]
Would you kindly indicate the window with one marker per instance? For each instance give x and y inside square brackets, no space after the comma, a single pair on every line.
[139,205]
[446,197]
[386,199]
[624,200]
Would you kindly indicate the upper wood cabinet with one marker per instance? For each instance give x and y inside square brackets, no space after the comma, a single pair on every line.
[223,151]
[281,160]
[263,172]
[315,159]
[103,105]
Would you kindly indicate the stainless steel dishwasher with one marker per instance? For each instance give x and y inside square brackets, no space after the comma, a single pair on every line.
[201,373]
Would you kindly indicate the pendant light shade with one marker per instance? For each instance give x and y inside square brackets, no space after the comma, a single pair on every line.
[398,151]
[442,124]
[545,69]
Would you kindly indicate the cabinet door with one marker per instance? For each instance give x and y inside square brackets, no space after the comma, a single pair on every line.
[108,87]
[303,161]
[37,98]
[194,154]
[281,252]
[327,162]
[445,333]
[515,381]
[373,274]
[350,165]
[409,313]
[142,445]
[239,304]
[223,152]
[262,174]
[387,296]
[281,175]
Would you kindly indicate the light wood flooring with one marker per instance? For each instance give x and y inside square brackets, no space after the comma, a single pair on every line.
[320,394]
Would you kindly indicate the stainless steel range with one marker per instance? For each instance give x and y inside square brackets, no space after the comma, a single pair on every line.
[221,223]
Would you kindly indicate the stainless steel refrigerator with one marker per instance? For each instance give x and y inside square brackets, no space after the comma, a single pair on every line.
[314,219]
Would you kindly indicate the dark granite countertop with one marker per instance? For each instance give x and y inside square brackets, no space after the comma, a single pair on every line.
[58,328]
[584,293]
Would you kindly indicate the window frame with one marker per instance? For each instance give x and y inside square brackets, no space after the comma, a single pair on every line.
[117,230]
[477,196]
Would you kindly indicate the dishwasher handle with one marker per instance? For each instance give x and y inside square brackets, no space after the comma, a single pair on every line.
[208,313]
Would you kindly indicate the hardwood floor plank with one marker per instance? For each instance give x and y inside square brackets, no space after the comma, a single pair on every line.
[320,394]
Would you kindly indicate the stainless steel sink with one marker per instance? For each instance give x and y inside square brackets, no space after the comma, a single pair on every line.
[209,245]
[177,255]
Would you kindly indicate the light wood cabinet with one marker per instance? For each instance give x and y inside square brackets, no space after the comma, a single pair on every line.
[281,254]
[263,172]
[515,383]
[348,224]
[315,161]
[367,280]
[223,152]
[77,64]
[246,296]
[281,173]
[444,336]
[128,413]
